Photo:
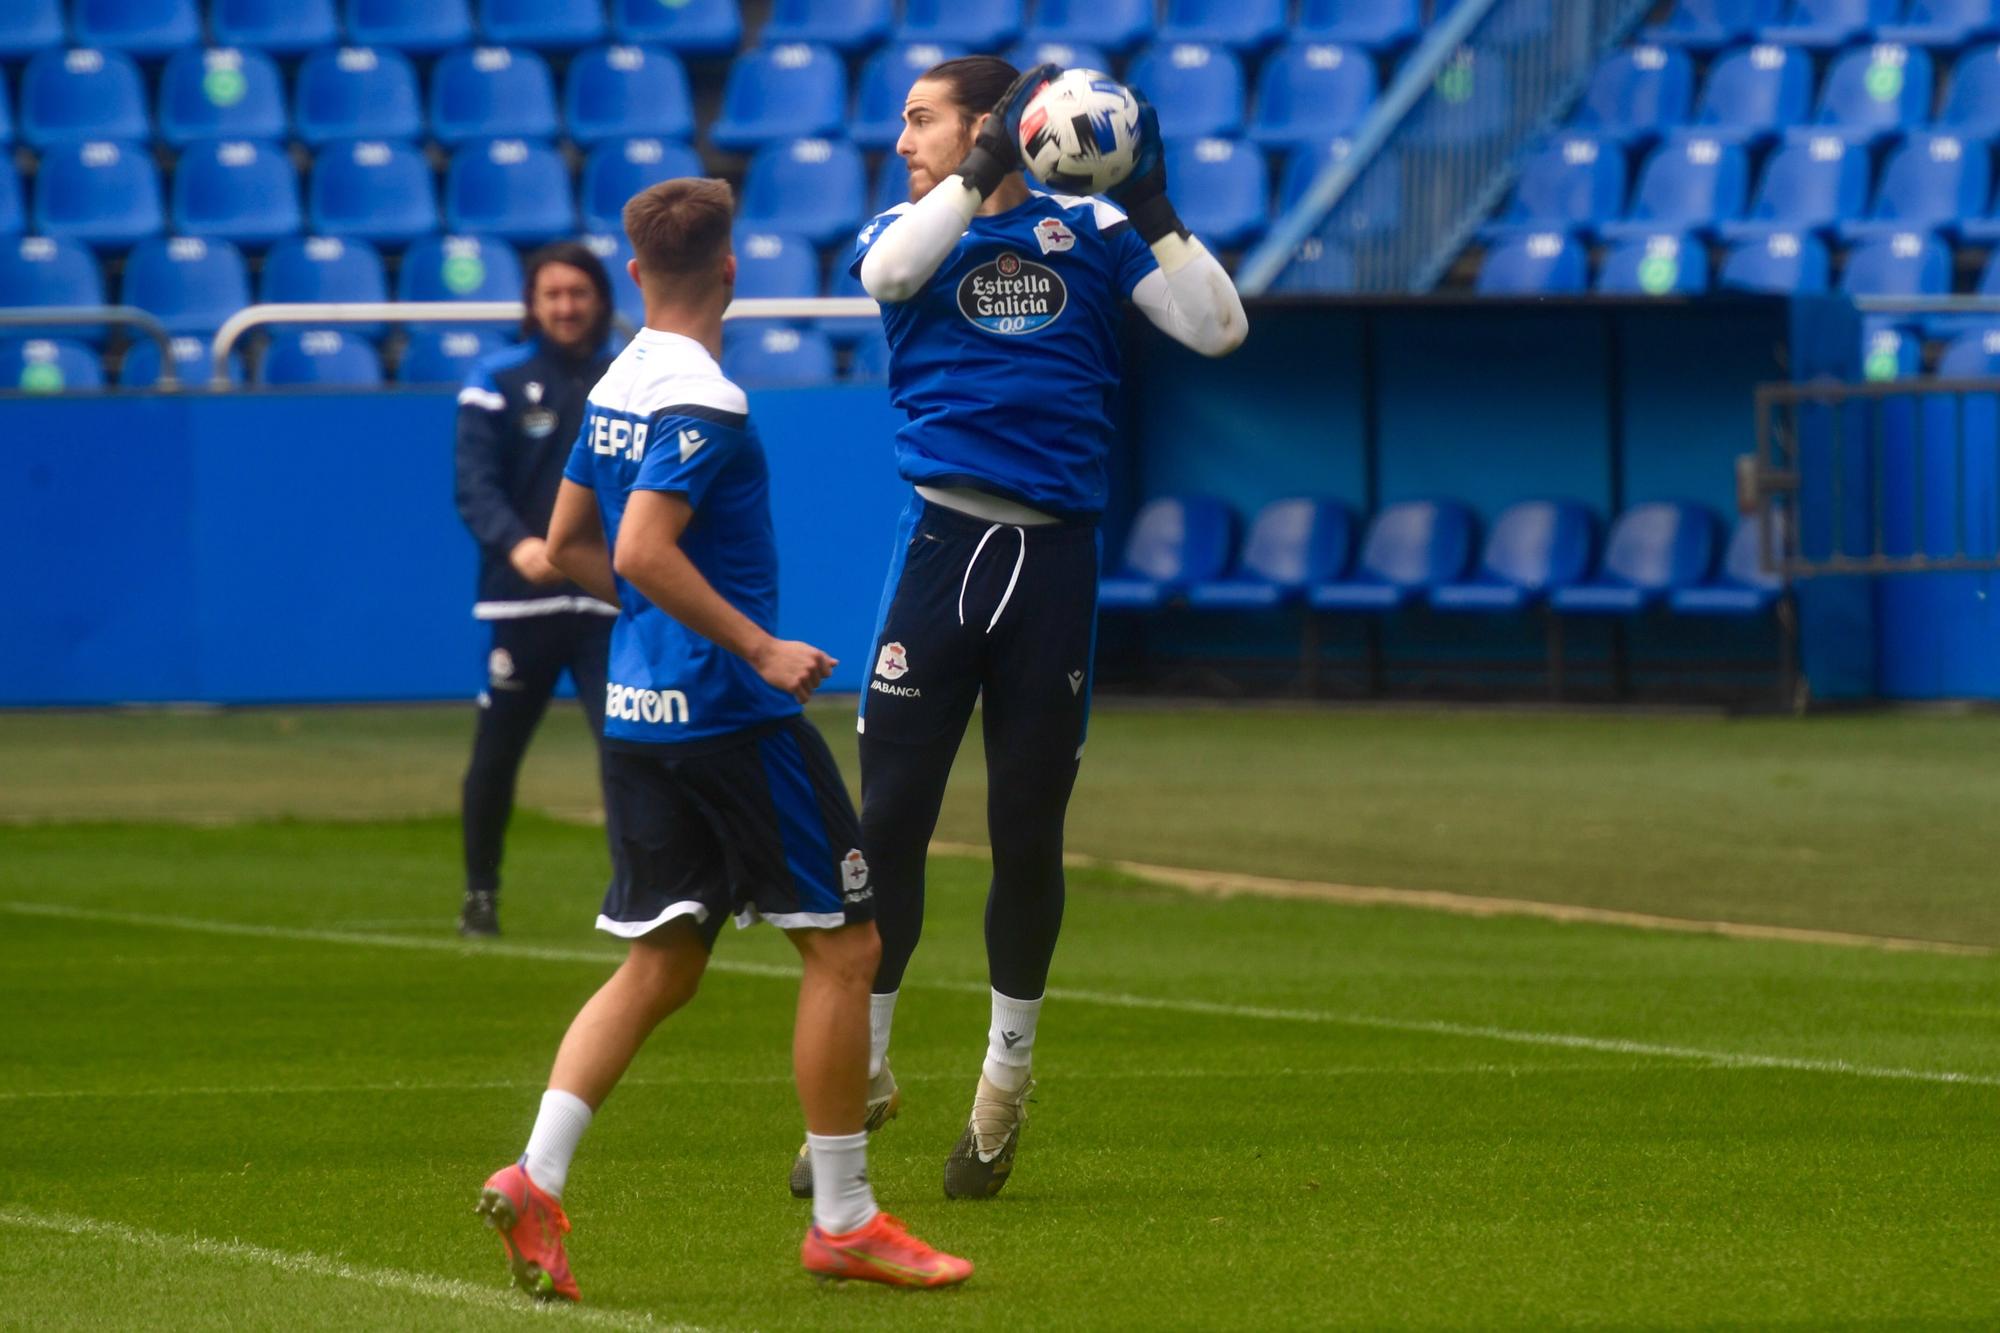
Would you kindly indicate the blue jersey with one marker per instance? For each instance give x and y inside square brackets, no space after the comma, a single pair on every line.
[1007,360]
[663,418]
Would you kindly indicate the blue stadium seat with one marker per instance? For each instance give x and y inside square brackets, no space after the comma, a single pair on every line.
[845,25]
[1972,97]
[772,264]
[283,27]
[1906,264]
[815,188]
[237,191]
[443,356]
[105,194]
[373,191]
[222,93]
[614,250]
[870,361]
[459,268]
[1930,182]
[1113,25]
[191,285]
[137,27]
[847,330]
[409,25]
[1691,182]
[1197,89]
[1755,92]
[41,270]
[511,188]
[1312,93]
[1533,548]
[1411,547]
[6,112]
[1069,55]
[1175,541]
[1638,93]
[546,25]
[1573,182]
[1708,24]
[13,214]
[1378,25]
[1813,182]
[1317,267]
[1243,25]
[70,96]
[1652,550]
[1974,355]
[30,26]
[193,366]
[490,92]
[357,92]
[1381,190]
[1743,587]
[697,28]
[1875,91]
[1889,351]
[1475,95]
[1543,263]
[1830,23]
[892,185]
[322,268]
[1944,23]
[1222,188]
[1292,545]
[1782,263]
[769,357]
[624,92]
[48,365]
[320,356]
[1668,264]
[979,25]
[614,172]
[884,84]
[794,91]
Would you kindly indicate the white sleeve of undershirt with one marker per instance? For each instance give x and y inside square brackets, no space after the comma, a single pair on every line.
[909,250]
[1190,298]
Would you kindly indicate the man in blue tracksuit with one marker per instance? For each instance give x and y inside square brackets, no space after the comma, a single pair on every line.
[517,416]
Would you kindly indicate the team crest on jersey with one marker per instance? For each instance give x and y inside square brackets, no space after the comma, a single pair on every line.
[894,662]
[854,876]
[1052,235]
[500,669]
[1012,295]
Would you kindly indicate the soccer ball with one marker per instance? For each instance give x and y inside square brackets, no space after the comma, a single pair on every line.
[1080,133]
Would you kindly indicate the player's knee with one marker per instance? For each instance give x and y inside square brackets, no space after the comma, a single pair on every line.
[847,957]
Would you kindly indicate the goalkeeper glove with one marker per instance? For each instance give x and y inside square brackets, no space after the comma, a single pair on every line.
[1143,194]
[996,152]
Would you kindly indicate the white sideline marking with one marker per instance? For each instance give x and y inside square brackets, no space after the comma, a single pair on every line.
[1110,999]
[307,1264]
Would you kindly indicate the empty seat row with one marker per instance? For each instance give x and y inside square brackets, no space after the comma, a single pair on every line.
[1828,23]
[1905,264]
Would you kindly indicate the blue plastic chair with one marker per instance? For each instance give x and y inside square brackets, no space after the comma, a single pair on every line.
[42,270]
[409,25]
[283,27]
[490,92]
[138,27]
[1943,23]
[1197,89]
[1533,548]
[192,364]
[1222,187]
[1637,94]
[794,91]
[770,357]
[13,212]
[869,363]
[1378,206]
[1972,96]
[1889,352]
[512,188]
[698,27]
[30,26]
[978,25]
[1830,23]
[1708,24]
[1545,263]
[48,365]
[1292,545]
[1905,264]
[1175,541]
[1691,182]
[1317,267]
[357,92]
[1115,26]
[892,185]
[1312,93]
[373,191]
[322,268]
[1781,263]
[1875,91]
[1743,587]
[626,92]
[443,356]
[459,268]
[1653,550]
[104,194]
[614,172]
[545,25]
[1755,92]
[844,25]
[6,112]
[1243,25]
[1411,547]
[1573,182]
[71,96]
[884,85]
[614,250]
[846,330]
[775,265]
[1668,264]
[320,357]
[815,188]
[1377,25]
[191,285]
[1068,55]
[1813,182]
[222,93]
[1930,182]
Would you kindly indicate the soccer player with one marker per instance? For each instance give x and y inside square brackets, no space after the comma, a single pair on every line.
[720,798]
[517,415]
[1002,308]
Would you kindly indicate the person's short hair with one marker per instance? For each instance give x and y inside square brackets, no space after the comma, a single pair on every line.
[679,228]
[579,257]
[976,82]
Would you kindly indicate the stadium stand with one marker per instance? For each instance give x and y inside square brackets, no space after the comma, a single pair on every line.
[425,26]
[1377,25]
[70,96]
[1782,263]
[1811,182]
[1070,55]
[1742,587]
[104,194]
[1115,26]
[775,265]
[844,25]
[1691,182]
[1943,23]
[491,92]
[139,27]
[30,26]
[236,191]
[1652,550]
[1311,93]
[1535,264]
[553,25]
[699,27]
[1174,542]
[221,93]
[614,172]
[1929,183]
[1754,93]
[1223,185]
[1244,25]
[323,357]
[1707,24]
[459,268]
[624,92]
[1573,182]
[984,25]
[511,188]
[1291,545]
[1533,547]
[1828,24]
[769,356]
[1637,94]
[45,271]
[1668,264]
[1904,264]
[884,83]
[374,191]
[1873,92]
[190,285]
[615,251]
[13,217]
[794,91]
[443,356]
[1972,94]
[1197,89]
[282,27]
[49,365]
[192,364]
[357,93]
[322,268]
[1411,547]
[815,188]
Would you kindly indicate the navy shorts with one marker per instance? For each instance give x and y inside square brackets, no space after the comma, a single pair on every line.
[759,827]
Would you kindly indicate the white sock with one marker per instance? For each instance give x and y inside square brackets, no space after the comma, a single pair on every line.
[881,1013]
[1010,1042]
[842,1198]
[558,1129]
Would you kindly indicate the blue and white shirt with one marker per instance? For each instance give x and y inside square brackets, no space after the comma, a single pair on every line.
[1007,361]
[664,418]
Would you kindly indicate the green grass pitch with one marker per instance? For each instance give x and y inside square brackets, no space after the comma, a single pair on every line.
[253,1081]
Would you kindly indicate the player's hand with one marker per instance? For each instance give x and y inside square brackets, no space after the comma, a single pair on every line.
[530,559]
[796,668]
[996,149]
[1149,168]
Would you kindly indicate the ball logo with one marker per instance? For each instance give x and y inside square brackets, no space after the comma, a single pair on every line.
[894,663]
[1012,295]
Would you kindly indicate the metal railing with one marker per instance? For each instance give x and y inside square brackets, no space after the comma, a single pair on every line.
[91,316]
[1441,148]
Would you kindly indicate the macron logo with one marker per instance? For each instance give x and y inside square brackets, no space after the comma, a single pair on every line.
[691,440]
[630,704]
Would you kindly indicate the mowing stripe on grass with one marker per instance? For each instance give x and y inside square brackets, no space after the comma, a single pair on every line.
[306,1264]
[1110,999]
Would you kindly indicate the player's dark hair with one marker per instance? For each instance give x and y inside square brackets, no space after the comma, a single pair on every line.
[977,82]
[579,257]
[679,228]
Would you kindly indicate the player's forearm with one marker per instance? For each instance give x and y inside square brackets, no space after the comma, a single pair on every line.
[911,248]
[586,563]
[1191,299]
[669,580]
